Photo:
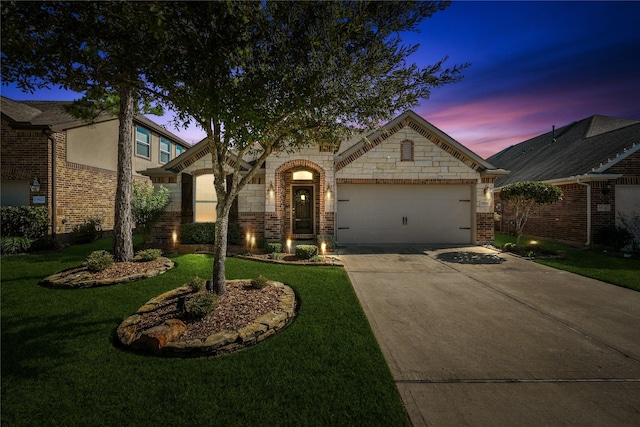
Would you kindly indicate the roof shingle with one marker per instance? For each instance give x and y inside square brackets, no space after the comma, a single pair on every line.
[576,149]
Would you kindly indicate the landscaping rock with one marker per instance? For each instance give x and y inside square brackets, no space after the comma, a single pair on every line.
[161,339]
[79,277]
[157,337]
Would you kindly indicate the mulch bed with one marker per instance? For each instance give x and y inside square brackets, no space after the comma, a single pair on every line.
[237,308]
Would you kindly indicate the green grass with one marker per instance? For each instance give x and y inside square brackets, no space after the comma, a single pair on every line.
[599,265]
[60,366]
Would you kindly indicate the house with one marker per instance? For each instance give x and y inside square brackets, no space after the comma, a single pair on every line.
[52,159]
[408,183]
[596,163]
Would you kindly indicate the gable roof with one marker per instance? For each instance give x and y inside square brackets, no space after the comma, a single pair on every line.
[589,146]
[417,123]
[52,115]
[189,157]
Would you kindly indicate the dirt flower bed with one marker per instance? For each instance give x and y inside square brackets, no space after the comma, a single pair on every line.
[237,308]
[118,272]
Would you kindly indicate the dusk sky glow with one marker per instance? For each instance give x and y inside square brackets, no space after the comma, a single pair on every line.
[533,65]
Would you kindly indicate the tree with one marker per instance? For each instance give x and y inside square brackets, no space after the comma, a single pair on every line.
[94,47]
[147,206]
[525,197]
[260,77]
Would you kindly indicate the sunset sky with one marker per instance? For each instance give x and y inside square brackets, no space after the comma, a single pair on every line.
[534,65]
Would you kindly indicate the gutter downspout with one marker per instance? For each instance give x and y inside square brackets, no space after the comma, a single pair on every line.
[588,210]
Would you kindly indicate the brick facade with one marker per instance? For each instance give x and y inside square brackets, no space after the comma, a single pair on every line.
[265,206]
[81,191]
[566,220]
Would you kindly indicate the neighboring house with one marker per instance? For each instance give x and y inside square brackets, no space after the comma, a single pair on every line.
[72,163]
[410,183]
[596,162]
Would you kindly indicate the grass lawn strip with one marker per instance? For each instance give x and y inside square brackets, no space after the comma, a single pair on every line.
[60,365]
[624,272]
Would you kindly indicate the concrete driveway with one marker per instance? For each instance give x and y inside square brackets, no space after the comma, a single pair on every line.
[477,337]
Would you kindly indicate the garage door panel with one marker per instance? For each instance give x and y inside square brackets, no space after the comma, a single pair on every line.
[404,214]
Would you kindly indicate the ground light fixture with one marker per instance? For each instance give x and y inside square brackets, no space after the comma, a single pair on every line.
[289,246]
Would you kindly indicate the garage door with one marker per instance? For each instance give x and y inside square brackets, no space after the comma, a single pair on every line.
[627,203]
[404,214]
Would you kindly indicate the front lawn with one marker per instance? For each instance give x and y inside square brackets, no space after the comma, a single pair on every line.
[60,366]
[599,265]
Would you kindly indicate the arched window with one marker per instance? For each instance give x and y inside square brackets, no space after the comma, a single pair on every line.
[205,199]
[406,151]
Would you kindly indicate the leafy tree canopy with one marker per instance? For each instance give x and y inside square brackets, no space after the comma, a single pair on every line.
[525,196]
[268,76]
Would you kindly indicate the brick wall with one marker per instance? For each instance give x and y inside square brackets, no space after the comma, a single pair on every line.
[484,228]
[25,155]
[566,220]
[81,191]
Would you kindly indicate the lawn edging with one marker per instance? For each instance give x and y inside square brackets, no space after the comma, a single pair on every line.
[160,340]
[83,278]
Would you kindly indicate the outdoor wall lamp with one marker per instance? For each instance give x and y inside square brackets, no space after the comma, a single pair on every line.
[487,193]
[272,191]
[34,185]
[328,192]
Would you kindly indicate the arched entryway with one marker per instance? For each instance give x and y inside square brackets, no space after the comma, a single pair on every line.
[300,198]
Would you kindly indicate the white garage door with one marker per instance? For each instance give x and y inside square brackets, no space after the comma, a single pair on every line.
[404,214]
[627,203]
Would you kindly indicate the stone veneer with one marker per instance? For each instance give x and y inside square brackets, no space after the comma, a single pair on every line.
[219,343]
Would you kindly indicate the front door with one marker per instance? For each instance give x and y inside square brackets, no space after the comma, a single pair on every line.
[303,210]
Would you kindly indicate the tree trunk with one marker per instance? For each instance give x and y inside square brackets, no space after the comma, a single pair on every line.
[122,228]
[220,254]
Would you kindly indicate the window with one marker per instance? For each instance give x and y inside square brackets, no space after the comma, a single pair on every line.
[406,151]
[143,142]
[165,150]
[205,200]
[179,150]
[303,176]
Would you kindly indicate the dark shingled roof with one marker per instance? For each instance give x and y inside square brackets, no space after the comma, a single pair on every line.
[52,114]
[583,147]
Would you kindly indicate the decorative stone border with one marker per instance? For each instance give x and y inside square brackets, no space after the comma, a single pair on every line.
[160,340]
[83,278]
[332,263]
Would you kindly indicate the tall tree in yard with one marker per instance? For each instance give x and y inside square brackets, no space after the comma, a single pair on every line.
[96,47]
[260,77]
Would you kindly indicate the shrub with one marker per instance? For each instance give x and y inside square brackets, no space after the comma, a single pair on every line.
[148,255]
[88,232]
[632,223]
[31,222]
[275,255]
[509,247]
[198,232]
[148,203]
[259,282]
[98,261]
[271,247]
[614,236]
[197,284]
[15,245]
[306,251]
[200,305]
